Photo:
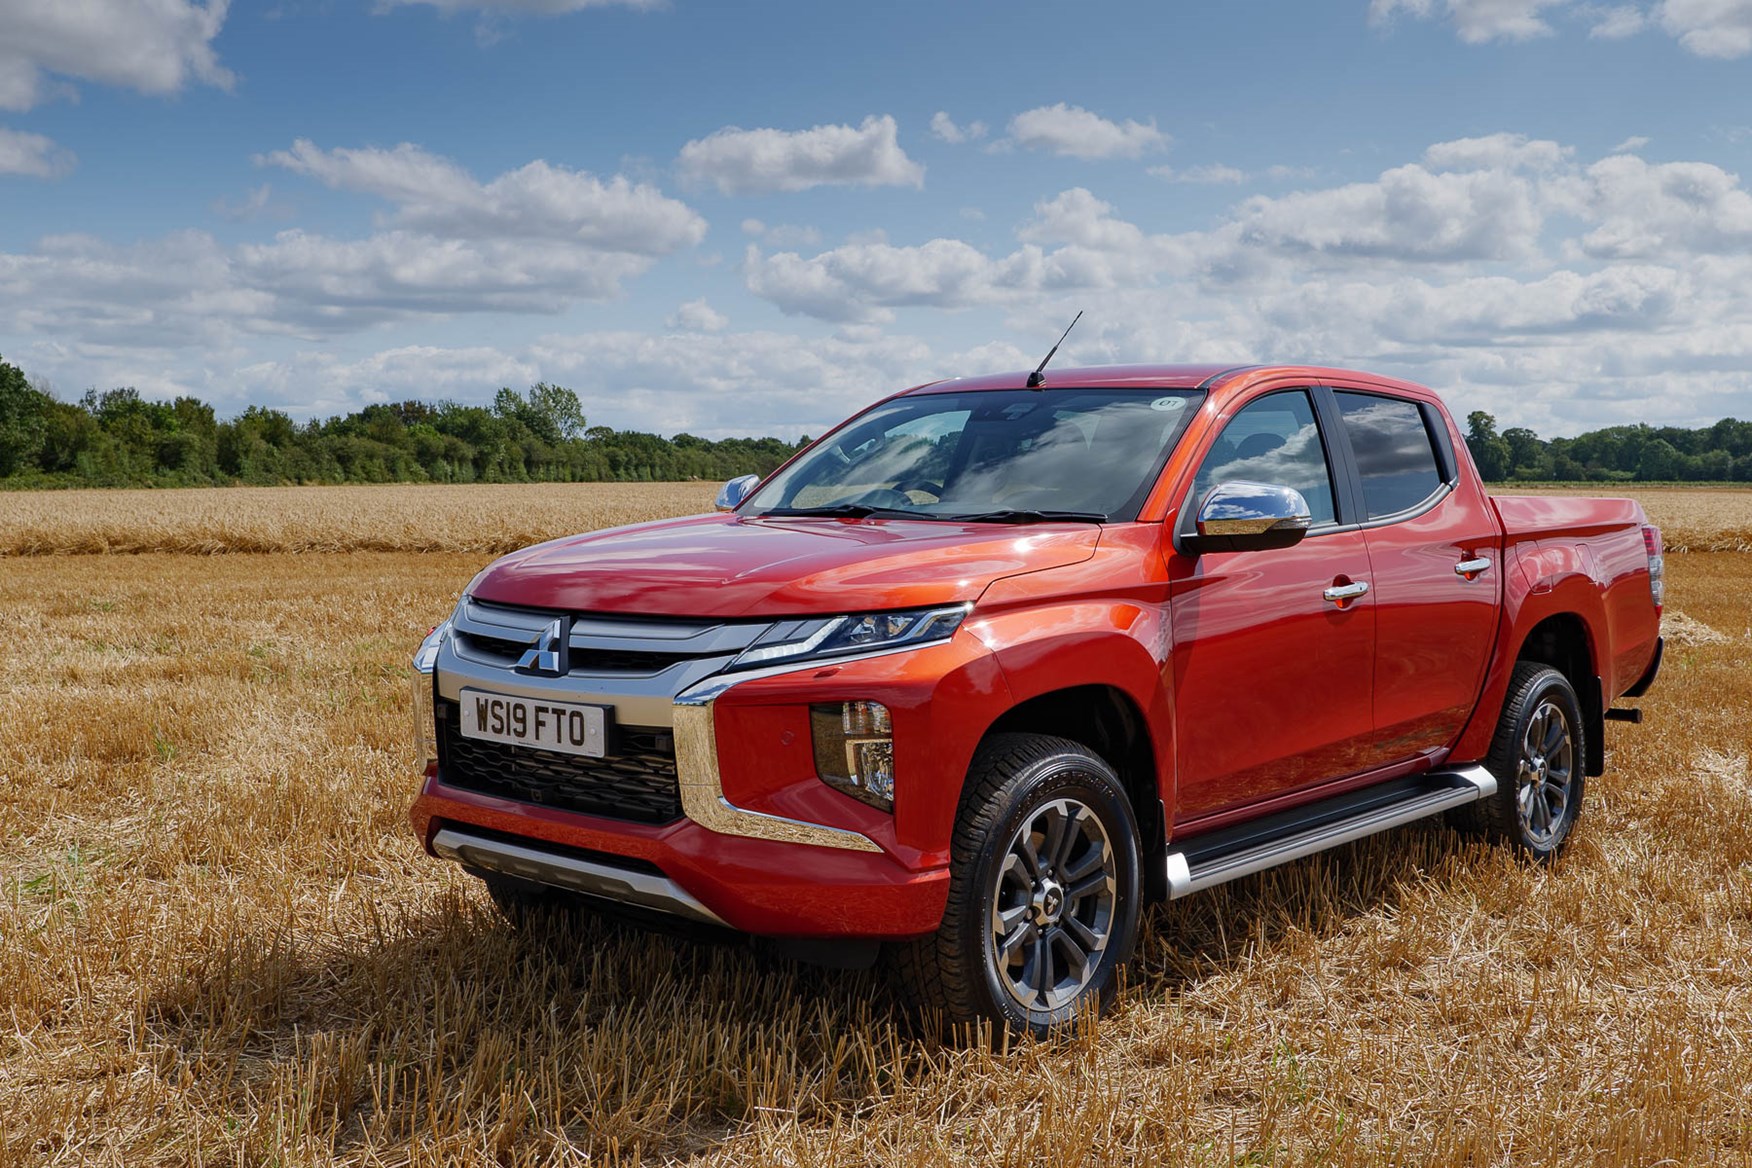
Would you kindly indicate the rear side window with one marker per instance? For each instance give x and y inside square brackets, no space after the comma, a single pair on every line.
[1395,458]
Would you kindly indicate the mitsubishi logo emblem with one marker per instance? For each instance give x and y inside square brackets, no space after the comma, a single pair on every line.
[552,652]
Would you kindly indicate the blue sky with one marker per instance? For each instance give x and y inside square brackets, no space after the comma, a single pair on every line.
[757,217]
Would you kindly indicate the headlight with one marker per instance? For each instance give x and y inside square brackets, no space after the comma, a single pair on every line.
[836,636]
[425,722]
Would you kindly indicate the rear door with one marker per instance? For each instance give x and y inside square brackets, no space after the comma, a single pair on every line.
[1270,676]
[1435,568]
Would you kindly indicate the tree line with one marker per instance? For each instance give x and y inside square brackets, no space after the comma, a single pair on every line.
[1639,453]
[116,438]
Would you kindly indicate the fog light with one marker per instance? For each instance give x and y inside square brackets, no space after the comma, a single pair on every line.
[854,750]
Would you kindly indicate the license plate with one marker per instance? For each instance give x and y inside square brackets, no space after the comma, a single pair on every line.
[544,725]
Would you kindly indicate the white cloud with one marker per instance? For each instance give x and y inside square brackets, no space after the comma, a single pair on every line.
[1077,217]
[1618,22]
[1210,174]
[746,162]
[1706,28]
[866,281]
[1709,28]
[321,283]
[536,201]
[257,203]
[1498,152]
[1409,214]
[1072,130]
[944,127]
[1475,21]
[1630,145]
[535,240]
[315,384]
[33,155]
[702,383]
[154,46]
[1498,269]
[1650,210]
[696,316]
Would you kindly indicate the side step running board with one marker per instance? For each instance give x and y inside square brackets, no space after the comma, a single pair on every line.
[1204,862]
[644,889]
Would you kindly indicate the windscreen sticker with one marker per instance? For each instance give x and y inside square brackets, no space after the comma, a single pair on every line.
[1167,405]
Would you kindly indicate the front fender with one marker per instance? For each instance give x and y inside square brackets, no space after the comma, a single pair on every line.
[1111,643]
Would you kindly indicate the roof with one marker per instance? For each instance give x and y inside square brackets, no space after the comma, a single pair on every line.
[1145,377]
[1107,376]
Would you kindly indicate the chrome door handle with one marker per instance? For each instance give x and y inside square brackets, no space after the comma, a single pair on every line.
[1472,569]
[1343,592]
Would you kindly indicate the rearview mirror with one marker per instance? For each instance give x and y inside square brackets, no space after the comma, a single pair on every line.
[731,494]
[1242,516]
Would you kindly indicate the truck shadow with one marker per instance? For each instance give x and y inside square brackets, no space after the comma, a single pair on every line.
[440,1029]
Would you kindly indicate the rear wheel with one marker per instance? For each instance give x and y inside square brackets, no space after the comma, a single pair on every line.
[1043,890]
[1537,758]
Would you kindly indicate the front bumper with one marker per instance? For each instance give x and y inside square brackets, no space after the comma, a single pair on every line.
[762,844]
[765,887]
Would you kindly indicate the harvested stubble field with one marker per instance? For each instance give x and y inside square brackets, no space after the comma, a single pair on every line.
[219,942]
[489,520]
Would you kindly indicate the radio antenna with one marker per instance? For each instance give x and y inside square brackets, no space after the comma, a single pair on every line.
[1038,377]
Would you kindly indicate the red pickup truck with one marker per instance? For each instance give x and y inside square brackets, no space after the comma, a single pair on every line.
[994,664]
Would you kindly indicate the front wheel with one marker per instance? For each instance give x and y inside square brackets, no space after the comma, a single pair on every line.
[1537,757]
[1043,890]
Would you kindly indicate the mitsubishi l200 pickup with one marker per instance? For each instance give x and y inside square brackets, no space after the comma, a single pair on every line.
[992,666]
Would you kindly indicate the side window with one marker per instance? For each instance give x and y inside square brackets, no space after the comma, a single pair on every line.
[1395,457]
[1272,440]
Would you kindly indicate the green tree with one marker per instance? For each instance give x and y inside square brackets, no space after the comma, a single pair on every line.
[1528,457]
[23,411]
[1660,462]
[1489,452]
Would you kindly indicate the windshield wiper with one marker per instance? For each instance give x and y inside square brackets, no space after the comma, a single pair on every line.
[1019,515]
[842,511]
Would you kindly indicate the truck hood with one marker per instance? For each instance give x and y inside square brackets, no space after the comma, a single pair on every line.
[725,566]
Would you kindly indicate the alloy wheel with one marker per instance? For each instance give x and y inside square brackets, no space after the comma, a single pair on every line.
[1544,774]
[1052,909]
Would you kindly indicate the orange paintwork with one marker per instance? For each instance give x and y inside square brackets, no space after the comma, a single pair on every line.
[1255,691]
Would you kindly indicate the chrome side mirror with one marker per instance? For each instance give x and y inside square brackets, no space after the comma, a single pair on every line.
[1244,516]
[731,494]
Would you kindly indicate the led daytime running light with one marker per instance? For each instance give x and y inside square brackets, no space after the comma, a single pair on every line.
[861,633]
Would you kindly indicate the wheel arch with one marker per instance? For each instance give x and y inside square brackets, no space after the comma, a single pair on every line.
[1565,642]
[1111,723]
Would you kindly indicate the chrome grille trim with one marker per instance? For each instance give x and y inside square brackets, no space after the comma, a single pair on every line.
[496,634]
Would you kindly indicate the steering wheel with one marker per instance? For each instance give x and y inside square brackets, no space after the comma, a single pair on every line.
[920,484]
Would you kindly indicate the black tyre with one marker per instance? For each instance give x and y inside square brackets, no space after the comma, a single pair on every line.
[1043,890]
[1538,758]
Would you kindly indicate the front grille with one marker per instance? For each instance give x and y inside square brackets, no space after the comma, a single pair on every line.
[585,660]
[637,782]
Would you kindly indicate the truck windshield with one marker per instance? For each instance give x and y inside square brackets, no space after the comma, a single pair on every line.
[999,456]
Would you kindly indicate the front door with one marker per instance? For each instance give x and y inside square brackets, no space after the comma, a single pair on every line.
[1270,677]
